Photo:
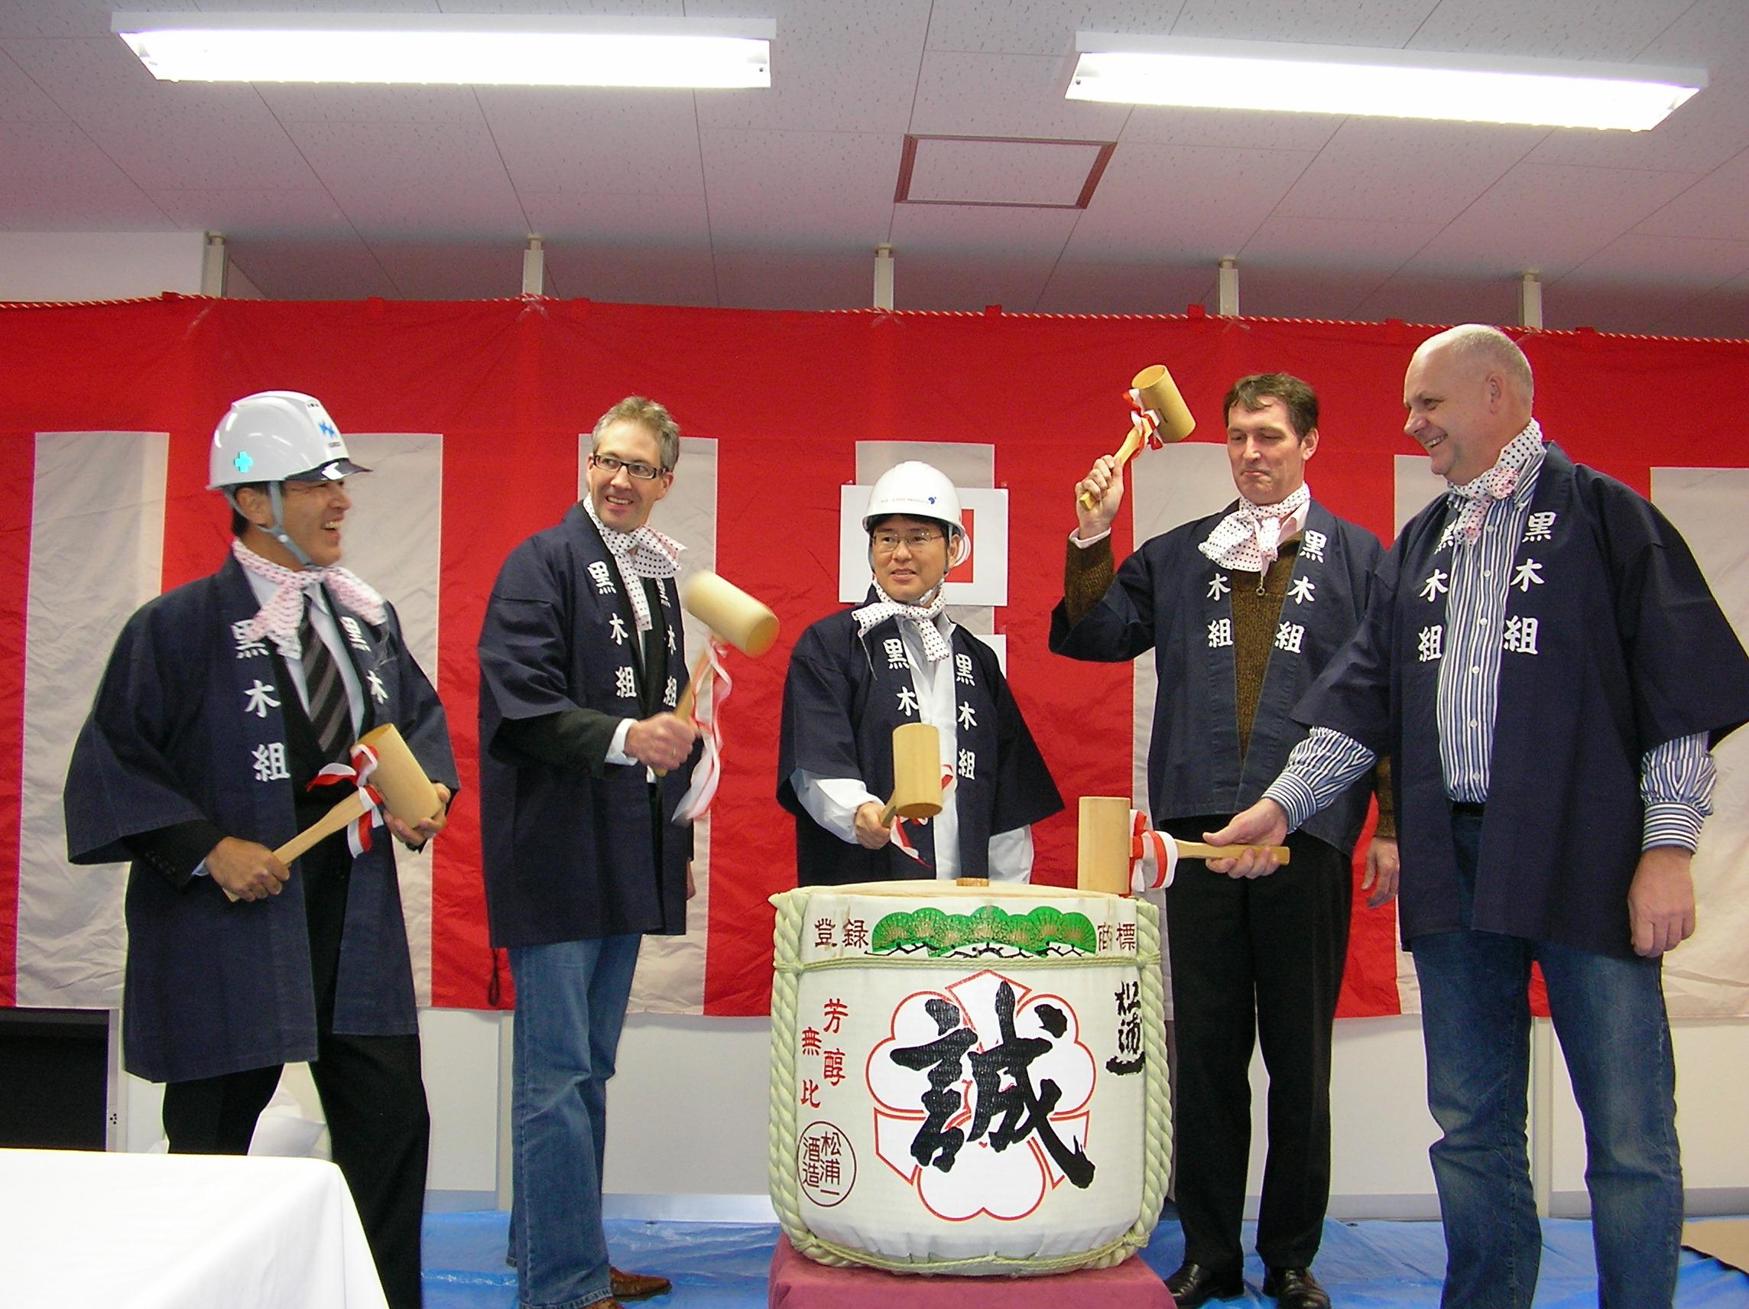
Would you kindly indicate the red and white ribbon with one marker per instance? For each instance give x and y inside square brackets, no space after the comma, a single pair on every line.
[1153,855]
[706,703]
[1146,421]
[902,838]
[364,763]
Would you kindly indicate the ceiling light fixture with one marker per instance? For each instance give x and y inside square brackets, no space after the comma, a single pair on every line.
[1188,72]
[450,49]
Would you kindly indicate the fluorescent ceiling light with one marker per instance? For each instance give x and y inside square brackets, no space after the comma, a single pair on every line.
[451,49]
[1390,83]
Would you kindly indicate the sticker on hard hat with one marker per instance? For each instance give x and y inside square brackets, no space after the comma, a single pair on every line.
[243,462]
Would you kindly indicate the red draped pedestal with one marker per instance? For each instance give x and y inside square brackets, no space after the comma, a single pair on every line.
[797,1282]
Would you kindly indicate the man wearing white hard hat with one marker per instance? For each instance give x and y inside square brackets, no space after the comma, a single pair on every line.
[226,705]
[898,658]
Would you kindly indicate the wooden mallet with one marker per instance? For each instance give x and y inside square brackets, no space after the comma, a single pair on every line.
[1103,845]
[1163,414]
[916,773]
[731,615]
[407,793]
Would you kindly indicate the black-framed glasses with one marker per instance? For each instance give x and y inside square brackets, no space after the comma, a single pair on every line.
[887,542]
[611,464]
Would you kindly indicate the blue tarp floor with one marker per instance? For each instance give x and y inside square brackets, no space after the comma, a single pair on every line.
[1365,1265]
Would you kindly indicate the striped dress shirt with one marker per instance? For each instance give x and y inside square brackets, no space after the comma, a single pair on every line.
[1676,776]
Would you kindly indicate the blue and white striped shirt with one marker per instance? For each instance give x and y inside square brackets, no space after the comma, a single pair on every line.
[1676,777]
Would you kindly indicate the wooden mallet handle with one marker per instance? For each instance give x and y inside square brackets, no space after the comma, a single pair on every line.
[1159,393]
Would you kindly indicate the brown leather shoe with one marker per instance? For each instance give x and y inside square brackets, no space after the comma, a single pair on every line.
[637,1286]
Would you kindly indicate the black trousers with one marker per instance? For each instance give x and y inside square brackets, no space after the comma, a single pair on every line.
[1255,961]
[372,1090]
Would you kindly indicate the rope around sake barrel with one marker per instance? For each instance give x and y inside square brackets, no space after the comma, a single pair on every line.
[787,940]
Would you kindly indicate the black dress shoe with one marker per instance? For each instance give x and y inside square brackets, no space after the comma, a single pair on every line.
[1295,1288]
[1194,1284]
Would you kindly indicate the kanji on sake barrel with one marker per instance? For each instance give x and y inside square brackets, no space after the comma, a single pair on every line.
[967,1080]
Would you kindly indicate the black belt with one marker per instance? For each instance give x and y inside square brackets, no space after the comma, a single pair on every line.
[1465,810]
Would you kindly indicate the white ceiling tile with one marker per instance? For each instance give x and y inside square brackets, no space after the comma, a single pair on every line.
[660,222]
[632,271]
[1006,95]
[1347,245]
[261,210]
[1277,290]
[999,233]
[1609,31]
[1230,129]
[1683,264]
[413,178]
[58,18]
[445,270]
[1001,172]
[1426,172]
[1422,298]
[776,197]
[937,281]
[1383,23]
[1712,207]
[1701,135]
[1125,286]
[834,67]
[293,102]
[1144,204]
[597,140]
[849,200]
[1039,27]
[762,278]
[57,180]
[1547,218]
[21,99]
[1663,310]
[338,268]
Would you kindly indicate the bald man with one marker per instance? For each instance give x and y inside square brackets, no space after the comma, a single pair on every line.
[1544,662]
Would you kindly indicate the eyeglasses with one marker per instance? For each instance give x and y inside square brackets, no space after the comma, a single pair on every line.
[887,542]
[611,464]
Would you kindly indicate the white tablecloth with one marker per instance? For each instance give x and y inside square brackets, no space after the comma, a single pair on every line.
[84,1230]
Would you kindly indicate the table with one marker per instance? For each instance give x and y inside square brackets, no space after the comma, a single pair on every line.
[88,1230]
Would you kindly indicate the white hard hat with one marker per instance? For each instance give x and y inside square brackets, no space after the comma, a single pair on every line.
[277,436]
[917,490]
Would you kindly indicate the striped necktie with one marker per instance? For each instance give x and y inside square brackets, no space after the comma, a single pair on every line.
[330,715]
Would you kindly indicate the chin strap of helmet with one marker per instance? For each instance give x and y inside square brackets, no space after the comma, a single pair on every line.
[275,529]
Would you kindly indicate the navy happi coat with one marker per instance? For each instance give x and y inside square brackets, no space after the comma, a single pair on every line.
[1613,644]
[1172,598]
[187,725]
[570,854]
[842,698]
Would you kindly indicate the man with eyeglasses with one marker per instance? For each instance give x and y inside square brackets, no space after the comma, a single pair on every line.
[898,658]
[1242,610]
[582,763]
[224,703]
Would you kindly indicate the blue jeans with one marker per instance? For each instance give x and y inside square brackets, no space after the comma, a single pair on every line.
[570,1005]
[1609,1015]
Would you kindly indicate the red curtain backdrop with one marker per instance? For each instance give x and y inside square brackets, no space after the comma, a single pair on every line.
[510,384]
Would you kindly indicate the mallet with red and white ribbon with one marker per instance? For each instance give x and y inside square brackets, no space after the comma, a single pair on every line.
[1116,850]
[1158,416]
[920,778]
[384,773]
[732,618]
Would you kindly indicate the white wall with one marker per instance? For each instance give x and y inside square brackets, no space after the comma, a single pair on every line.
[99,265]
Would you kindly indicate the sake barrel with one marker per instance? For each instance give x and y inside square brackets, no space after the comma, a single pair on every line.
[967,1080]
